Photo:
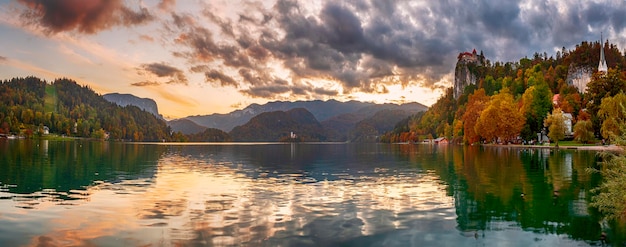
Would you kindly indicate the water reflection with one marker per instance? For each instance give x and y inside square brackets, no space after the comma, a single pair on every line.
[83,193]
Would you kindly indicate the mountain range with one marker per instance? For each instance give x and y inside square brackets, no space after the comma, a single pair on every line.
[311,120]
[338,121]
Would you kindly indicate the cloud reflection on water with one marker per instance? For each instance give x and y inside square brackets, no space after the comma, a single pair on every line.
[309,195]
[196,202]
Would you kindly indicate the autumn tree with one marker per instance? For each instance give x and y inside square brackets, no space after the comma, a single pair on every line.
[612,114]
[536,104]
[500,119]
[583,131]
[474,108]
[600,87]
[570,100]
[556,125]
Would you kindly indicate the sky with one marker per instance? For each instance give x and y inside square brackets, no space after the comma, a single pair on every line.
[197,57]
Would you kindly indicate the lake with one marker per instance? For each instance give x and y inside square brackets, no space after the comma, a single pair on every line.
[82,193]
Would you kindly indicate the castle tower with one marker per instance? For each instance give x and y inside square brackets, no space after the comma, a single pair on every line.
[463,76]
[602,65]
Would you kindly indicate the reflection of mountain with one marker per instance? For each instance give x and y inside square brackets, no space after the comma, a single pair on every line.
[62,167]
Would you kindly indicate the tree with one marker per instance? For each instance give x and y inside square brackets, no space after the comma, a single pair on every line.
[583,131]
[501,119]
[536,104]
[609,198]
[600,87]
[98,134]
[475,106]
[612,115]
[556,125]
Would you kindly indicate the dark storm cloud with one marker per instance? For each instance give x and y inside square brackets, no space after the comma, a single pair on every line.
[175,75]
[85,16]
[369,45]
[204,47]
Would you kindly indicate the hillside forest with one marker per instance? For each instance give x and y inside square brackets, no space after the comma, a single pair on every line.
[29,105]
[513,101]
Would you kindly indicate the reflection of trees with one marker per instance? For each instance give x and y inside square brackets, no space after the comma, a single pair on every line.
[542,190]
[62,169]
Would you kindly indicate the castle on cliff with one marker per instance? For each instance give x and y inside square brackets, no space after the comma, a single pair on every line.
[465,72]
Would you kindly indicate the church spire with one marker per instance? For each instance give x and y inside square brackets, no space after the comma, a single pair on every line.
[602,65]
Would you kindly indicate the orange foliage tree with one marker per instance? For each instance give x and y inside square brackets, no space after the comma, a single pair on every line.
[501,118]
[475,105]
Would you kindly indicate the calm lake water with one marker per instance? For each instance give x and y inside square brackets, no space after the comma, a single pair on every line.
[80,193]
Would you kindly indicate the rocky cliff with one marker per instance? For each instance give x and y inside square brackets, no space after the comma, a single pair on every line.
[579,76]
[145,104]
[465,72]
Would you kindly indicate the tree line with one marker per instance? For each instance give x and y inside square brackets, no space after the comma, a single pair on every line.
[513,101]
[28,105]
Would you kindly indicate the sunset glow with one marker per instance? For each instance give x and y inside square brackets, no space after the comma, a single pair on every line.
[203,57]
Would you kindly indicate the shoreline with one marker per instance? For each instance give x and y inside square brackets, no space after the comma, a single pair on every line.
[607,148]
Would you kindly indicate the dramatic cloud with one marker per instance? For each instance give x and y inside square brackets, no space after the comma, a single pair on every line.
[162,70]
[217,76]
[322,49]
[85,16]
[368,45]
[2,59]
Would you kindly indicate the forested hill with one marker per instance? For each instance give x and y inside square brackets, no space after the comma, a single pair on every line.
[28,105]
[278,126]
[513,99]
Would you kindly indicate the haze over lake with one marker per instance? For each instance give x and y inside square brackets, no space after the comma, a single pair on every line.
[269,194]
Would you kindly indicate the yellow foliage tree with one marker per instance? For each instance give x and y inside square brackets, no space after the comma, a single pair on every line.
[501,119]
[556,125]
[583,131]
[612,114]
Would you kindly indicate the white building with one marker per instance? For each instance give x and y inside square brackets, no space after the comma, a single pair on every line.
[602,64]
